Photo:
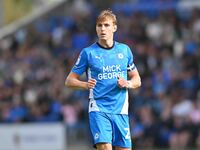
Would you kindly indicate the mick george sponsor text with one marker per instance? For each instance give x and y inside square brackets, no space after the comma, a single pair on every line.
[110,72]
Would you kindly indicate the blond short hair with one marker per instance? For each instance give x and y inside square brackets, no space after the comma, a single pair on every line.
[106,14]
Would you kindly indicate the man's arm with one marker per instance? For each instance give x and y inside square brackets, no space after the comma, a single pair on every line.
[134,81]
[73,81]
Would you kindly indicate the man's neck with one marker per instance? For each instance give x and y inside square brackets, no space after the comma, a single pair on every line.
[106,44]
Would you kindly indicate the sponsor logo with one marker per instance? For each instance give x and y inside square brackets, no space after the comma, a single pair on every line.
[111,72]
[97,57]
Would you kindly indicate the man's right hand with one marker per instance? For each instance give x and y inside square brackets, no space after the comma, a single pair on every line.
[91,83]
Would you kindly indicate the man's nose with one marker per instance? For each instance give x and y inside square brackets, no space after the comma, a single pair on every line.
[103,27]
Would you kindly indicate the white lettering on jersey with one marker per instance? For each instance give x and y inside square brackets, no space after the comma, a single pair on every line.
[111,75]
[111,68]
[111,72]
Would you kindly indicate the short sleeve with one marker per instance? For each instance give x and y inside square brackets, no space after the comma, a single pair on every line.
[81,63]
[131,65]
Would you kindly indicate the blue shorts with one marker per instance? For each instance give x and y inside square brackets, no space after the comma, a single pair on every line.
[110,128]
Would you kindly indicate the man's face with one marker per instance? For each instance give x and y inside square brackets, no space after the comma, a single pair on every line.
[105,29]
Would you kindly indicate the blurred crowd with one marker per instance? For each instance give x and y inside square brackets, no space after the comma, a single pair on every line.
[164,112]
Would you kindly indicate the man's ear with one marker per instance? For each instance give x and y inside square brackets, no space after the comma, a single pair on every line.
[115,28]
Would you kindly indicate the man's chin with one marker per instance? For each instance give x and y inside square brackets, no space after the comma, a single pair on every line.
[103,38]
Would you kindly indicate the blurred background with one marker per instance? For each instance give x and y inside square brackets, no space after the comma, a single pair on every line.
[39,43]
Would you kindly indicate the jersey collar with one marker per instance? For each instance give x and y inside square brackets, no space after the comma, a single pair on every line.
[107,48]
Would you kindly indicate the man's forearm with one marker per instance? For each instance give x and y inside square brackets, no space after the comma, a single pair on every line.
[76,84]
[134,83]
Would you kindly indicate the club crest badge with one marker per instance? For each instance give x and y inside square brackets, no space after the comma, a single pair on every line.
[120,56]
[96,136]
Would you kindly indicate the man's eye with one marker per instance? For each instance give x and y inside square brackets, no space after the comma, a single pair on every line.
[107,25]
[99,25]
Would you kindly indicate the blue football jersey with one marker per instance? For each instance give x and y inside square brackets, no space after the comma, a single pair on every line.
[105,65]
